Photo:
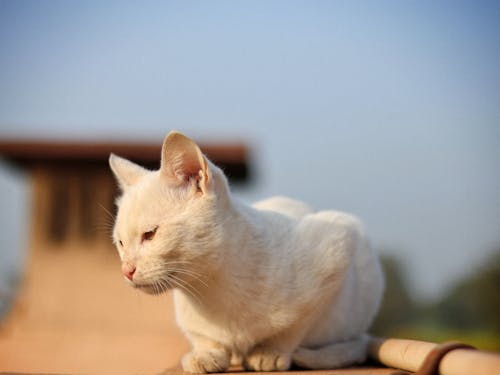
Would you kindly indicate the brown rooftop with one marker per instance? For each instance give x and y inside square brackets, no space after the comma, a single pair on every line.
[232,157]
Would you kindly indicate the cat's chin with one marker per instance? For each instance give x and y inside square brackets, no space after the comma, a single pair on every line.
[151,288]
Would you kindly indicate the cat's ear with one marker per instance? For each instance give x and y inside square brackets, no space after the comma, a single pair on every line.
[126,172]
[182,161]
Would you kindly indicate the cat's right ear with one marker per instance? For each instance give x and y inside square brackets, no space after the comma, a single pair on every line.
[126,172]
[182,161]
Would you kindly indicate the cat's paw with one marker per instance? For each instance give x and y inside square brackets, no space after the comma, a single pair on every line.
[201,362]
[266,359]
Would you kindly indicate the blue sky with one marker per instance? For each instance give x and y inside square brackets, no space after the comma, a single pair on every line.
[388,109]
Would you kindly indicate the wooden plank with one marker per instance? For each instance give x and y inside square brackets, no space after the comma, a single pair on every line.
[347,371]
[361,370]
[410,354]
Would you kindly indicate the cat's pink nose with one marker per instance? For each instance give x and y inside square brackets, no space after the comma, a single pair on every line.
[128,270]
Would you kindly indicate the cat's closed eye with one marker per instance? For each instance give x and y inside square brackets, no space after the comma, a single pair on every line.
[149,235]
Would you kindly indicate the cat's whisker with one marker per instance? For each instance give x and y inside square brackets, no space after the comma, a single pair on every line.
[195,276]
[188,285]
[155,271]
[100,228]
[161,285]
[107,212]
[106,221]
[181,284]
[155,288]
[175,284]
[203,279]
[189,267]
[159,288]
[185,284]
[174,267]
[103,228]
[166,284]
[104,224]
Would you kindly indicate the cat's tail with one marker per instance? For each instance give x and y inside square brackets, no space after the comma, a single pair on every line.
[339,354]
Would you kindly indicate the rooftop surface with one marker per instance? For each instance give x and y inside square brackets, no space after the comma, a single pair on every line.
[233,157]
[29,150]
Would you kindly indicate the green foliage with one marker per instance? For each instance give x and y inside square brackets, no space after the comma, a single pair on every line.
[474,302]
[398,308]
[469,312]
[481,339]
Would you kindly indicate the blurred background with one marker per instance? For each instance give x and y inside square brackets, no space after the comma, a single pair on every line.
[389,110]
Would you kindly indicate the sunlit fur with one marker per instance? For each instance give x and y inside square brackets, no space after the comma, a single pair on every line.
[263,285]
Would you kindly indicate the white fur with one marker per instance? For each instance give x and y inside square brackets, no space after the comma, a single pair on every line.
[263,285]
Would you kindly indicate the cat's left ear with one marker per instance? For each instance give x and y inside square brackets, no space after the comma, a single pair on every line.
[126,172]
[182,161]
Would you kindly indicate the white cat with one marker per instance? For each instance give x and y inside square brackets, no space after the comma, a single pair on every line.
[262,286]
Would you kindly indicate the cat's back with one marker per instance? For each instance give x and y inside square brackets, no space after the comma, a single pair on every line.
[285,206]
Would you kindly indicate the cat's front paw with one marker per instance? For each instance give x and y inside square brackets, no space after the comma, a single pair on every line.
[201,362]
[266,359]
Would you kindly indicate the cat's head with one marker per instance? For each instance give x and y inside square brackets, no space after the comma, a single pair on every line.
[169,222]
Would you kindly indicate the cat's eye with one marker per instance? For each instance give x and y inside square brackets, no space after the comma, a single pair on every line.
[121,243]
[148,236]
